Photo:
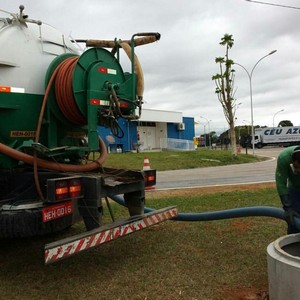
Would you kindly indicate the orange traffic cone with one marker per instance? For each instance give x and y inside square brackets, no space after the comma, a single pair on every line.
[146,164]
[150,175]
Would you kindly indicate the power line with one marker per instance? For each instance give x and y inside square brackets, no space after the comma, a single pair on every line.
[273,4]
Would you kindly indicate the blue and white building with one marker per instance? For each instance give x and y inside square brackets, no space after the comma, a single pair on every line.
[155,130]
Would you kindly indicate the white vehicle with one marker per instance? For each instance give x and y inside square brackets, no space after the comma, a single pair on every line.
[285,136]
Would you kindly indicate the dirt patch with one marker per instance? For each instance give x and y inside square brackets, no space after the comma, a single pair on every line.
[207,190]
[241,226]
[245,293]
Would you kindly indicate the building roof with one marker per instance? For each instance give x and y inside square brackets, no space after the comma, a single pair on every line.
[152,115]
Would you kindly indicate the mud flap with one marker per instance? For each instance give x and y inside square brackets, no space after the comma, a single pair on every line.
[135,202]
[90,207]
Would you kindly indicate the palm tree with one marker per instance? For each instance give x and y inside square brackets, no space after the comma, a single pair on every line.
[224,81]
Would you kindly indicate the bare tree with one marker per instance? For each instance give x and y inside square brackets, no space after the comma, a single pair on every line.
[225,88]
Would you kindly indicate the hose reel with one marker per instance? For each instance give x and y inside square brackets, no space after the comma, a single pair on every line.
[87,81]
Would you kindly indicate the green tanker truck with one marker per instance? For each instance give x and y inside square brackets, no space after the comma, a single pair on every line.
[53,96]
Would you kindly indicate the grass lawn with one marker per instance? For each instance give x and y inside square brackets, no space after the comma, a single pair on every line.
[176,160]
[223,259]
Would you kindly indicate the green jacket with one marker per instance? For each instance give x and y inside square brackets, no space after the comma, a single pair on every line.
[284,175]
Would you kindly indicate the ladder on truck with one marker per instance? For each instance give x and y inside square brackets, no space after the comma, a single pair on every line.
[72,245]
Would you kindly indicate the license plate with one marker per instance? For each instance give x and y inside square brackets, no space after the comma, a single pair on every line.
[57,211]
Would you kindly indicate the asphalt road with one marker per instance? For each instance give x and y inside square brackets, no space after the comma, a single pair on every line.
[225,175]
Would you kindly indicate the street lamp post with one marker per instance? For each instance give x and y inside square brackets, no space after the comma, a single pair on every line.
[204,133]
[247,122]
[251,103]
[276,114]
[209,138]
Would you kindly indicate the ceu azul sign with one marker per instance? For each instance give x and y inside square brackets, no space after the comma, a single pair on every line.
[282,131]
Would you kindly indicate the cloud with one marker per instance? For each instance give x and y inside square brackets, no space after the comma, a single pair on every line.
[178,68]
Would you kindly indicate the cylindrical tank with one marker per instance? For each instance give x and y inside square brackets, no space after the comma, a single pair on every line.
[53,96]
[284,268]
[27,50]
[77,101]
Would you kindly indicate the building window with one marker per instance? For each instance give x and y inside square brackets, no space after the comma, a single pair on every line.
[147,124]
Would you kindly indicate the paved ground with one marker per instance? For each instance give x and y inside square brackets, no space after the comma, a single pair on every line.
[225,175]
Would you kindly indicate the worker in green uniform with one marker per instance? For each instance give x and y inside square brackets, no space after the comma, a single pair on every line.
[288,184]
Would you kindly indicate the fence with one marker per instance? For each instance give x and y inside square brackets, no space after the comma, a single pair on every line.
[176,144]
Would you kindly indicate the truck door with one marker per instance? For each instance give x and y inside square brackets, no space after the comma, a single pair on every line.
[258,142]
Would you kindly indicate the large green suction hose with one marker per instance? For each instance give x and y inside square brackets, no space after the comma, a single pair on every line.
[254,211]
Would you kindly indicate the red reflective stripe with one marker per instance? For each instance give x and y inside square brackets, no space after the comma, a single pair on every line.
[10,89]
[79,245]
[107,71]
[102,70]
[5,89]
[56,251]
[95,102]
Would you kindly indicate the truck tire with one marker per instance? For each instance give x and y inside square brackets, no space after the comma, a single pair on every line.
[259,145]
[28,223]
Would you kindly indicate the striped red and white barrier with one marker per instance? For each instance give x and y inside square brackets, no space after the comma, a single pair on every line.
[70,246]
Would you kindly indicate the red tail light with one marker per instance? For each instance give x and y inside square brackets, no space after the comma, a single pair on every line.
[60,189]
[150,177]
[75,188]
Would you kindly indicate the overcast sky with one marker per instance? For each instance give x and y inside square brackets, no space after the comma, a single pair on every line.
[178,68]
